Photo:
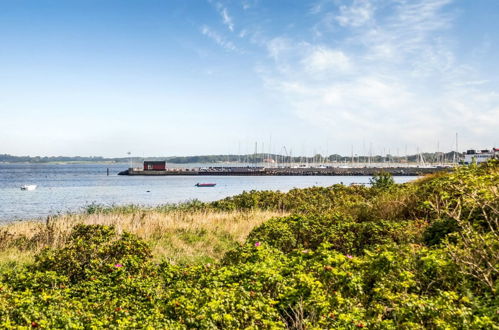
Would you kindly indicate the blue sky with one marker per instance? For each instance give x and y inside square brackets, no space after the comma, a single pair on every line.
[99,77]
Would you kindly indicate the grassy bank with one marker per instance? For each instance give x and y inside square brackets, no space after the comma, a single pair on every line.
[422,255]
[175,235]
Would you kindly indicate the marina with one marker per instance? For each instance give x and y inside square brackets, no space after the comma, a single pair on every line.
[160,169]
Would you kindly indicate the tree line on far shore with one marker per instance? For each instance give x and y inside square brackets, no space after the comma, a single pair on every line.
[435,157]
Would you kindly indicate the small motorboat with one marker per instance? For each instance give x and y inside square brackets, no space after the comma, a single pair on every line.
[28,187]
[205,184]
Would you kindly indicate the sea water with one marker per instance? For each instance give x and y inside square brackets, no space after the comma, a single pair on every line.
[71,187]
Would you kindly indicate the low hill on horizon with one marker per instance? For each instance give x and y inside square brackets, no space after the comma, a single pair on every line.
[434,157]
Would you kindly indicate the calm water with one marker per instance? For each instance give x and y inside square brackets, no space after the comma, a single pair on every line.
[69,188]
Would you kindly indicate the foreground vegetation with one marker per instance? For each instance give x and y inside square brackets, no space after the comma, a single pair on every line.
[417,255]
[183,234]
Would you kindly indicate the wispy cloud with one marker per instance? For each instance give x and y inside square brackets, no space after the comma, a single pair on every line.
[277,46]
[247,4]
[391,65]
[227,20]
[218,38]
[243,33]
[223,11]
[324,59]
[357,14]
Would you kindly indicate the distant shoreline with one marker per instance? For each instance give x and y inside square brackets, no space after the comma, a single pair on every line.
[257,158]
[66,163]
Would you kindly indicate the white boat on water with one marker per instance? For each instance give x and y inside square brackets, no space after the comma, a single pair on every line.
[28,187]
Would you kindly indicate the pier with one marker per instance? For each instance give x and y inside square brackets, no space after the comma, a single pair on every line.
[287,171]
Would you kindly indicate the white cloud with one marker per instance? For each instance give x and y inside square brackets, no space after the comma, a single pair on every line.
[318,6]
[324,59]
[393,78]
[247,4]
[358,14]
[414,29]
[223,11]
[219,39]
[227,19]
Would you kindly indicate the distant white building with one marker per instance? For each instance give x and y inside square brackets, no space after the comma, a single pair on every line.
[480,156]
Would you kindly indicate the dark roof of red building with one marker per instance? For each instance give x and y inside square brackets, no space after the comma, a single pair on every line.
[152,162]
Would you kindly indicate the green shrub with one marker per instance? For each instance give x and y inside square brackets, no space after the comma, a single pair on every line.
[94,249]
[314,200]
[342,232]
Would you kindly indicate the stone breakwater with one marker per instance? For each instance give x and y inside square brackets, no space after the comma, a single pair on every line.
[290,171]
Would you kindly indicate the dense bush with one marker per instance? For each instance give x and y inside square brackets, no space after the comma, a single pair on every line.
[414,256]
[343,233]
[92,250]
[316,200]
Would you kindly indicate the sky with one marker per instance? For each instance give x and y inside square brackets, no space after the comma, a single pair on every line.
[176,77]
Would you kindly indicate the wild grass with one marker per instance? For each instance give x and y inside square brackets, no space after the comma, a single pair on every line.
[177,236]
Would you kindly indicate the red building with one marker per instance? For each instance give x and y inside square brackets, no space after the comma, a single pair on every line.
[154,165]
